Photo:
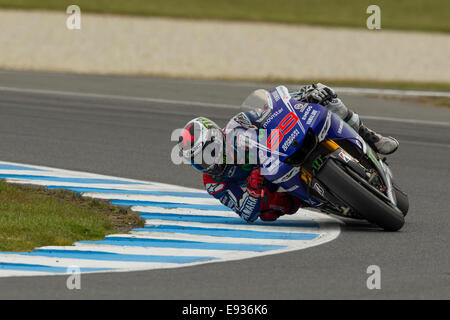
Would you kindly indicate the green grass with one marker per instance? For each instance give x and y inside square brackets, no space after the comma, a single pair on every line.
[427,15]
[355,83]
[436,101]
[33,216]
[401,85]
[425,86]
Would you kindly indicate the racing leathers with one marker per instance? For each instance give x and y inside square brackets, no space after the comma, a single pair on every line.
[235,191]
[242,187]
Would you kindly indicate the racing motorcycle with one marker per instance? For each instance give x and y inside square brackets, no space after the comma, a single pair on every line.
[313,154]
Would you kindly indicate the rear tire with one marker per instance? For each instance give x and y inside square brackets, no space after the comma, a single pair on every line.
[359,198]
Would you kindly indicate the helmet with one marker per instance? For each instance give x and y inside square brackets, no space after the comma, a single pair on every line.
[202,143]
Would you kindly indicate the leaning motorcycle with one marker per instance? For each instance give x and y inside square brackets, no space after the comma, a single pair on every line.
[313,154]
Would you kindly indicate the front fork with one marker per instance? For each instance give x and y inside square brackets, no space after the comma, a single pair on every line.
[313,185]
[289,178]
[329,203]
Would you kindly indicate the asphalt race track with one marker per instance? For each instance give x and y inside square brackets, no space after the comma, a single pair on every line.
[97,124]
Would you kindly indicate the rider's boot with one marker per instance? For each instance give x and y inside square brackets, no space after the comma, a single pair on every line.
[380,144]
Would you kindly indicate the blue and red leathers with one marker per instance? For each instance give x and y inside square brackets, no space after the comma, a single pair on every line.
[233,192]
[243,189]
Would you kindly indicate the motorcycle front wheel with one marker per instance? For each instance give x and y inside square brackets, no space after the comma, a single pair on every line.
[358,198]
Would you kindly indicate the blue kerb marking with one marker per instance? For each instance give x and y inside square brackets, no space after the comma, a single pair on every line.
[141,192]
[171,205]
[67,179]
[109,256]
[216,232]
[166,243]
[16,167]
[228,220]
[42,268]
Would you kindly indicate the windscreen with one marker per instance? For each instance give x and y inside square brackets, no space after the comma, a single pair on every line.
[258,99]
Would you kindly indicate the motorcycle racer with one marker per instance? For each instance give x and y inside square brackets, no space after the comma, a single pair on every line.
[240,185]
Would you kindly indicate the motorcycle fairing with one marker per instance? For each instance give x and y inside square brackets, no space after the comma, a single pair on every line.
[317,118]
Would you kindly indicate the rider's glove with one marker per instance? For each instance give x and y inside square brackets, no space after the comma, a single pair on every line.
[255,184]
[318,93]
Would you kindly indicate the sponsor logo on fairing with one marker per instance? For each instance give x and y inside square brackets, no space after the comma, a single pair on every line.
[289,141]
[275,95]
[271,117]
[319,189]
[325,127]
[341,126]
[292,188]
[312,117]
[291,173]
[271,164]
[305,115]
[344,156]
[300,107]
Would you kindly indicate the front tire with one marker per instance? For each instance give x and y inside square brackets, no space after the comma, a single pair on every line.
[402,199]
[359,198]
